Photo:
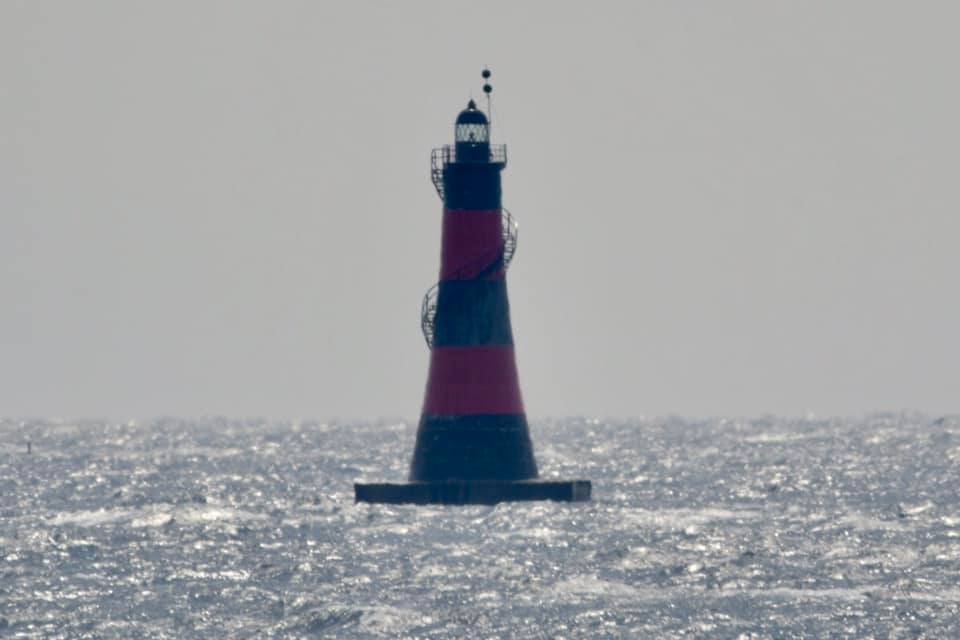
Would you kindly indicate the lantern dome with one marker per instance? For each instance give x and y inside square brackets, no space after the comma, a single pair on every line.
[472,126]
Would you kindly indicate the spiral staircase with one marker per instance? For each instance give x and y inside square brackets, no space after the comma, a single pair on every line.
[483,267]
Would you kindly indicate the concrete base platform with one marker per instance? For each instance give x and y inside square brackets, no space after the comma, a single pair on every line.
[473,491]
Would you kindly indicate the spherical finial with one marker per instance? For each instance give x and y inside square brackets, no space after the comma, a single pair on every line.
[485,74]
[487,88]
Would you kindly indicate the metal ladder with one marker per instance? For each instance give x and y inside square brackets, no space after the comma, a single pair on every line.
[437,160]
[509,228]
[428,314]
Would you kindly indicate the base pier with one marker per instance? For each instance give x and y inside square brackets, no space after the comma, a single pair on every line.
[473,491]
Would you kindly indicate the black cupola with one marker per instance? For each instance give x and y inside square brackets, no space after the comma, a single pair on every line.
[472,125]
[472,135]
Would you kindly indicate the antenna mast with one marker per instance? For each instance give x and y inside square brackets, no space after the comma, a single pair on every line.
[487,89]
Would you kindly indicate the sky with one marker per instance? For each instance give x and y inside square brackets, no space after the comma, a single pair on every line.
[725,209]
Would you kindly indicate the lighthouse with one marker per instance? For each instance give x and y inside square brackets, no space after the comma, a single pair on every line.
[473,445]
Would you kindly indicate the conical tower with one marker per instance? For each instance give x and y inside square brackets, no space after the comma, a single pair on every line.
[473,425]
[473,444]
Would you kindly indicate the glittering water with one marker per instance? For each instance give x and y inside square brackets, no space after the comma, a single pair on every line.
[216,528]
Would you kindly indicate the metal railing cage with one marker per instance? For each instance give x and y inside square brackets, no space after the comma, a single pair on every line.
[448,153]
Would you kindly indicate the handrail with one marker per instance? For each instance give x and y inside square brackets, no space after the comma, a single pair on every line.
[448,153]
[442,156]
[510,230]
[436,172]
[428,314]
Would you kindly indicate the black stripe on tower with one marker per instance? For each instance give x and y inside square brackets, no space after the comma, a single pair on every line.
[472,185]
[472,313]
[489,447]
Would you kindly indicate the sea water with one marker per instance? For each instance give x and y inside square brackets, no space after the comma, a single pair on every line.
[720,528]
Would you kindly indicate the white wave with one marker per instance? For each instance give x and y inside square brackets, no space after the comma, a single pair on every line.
[682,519]
[92,518]
[391,621]
[592,586]
[154,516]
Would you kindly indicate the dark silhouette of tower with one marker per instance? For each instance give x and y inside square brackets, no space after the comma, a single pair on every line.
[473,444]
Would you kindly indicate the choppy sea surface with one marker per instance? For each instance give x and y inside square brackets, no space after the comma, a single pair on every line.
[217,528]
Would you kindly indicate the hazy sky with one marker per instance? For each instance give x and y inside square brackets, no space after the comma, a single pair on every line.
[725,208]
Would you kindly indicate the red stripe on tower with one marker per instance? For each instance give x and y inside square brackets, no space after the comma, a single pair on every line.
[473,380]
[471,240]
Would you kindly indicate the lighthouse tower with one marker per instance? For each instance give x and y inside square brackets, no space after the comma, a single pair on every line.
[473,424]
[473,445]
